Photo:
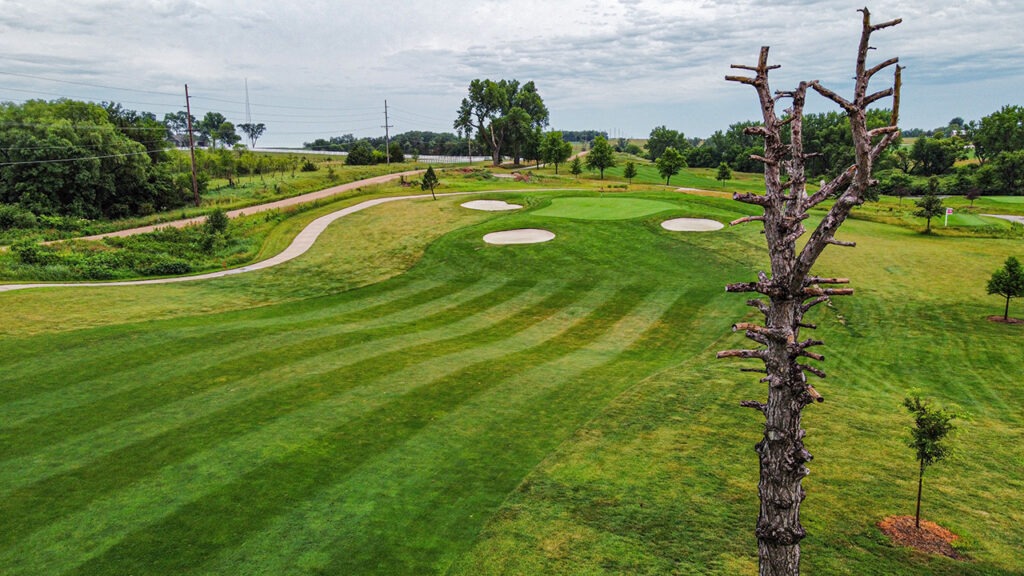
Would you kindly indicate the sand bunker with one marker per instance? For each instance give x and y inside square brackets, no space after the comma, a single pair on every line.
[490,205]
[520,236]
[691,225]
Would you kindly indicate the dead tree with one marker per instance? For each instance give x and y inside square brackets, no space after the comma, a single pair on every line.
[790,290]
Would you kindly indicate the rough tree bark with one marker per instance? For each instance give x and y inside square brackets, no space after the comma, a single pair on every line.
[791,290]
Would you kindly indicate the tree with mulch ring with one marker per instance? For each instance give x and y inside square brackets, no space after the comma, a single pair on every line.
[929,538]
[932,425]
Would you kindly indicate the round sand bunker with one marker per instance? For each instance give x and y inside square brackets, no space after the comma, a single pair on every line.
[691,225]
[520,236]
[490,205]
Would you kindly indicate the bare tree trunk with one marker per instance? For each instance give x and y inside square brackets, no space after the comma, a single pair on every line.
[791,290]
[920,484]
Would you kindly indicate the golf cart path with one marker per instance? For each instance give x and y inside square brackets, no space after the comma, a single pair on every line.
[294,200]
[302,242]
[1017,219]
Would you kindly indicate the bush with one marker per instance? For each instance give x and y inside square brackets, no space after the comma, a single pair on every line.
[217,222]
[360,155]
[13,216]
[29,252]
[308,166]
[166,267]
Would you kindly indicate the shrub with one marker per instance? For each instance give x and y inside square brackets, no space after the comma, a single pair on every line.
[29,252]
[217,222]
[308,166]
[13,216]
[166,267]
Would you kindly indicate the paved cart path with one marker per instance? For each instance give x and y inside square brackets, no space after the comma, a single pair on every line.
[302,242]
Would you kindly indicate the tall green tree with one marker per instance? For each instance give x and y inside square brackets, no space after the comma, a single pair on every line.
[1001,131]
[724,173]
[253,131]
[931,426]
[430,181]
[928,206]
[1007,282]
[601,155]
[227,135]
[210,125]
[629,172]
[661,139]
[502,113]
[670,163]
[931,156]
[69,158]
[555,150]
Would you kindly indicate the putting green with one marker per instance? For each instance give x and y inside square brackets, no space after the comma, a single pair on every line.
[970,220]
[603,208]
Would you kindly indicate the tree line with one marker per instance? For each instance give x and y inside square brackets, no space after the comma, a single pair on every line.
[996,142]
[67,158]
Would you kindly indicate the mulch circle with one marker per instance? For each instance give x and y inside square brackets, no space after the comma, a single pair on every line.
[1000,320]
[930,537]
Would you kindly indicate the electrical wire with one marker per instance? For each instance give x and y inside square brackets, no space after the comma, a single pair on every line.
[63,160]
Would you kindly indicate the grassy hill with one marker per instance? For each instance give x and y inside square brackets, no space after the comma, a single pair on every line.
[405,399]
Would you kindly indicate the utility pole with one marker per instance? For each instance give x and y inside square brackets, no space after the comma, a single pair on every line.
[191,146]
[387,138]
[248,114]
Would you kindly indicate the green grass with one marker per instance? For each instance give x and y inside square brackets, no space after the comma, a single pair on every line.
[603,208]
[1004,199]
[406,399]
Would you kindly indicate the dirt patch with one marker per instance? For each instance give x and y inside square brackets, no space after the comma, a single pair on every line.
[929,538]
[1001,320]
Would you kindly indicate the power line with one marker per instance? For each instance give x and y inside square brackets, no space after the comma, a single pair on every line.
[86,84]
[61,160]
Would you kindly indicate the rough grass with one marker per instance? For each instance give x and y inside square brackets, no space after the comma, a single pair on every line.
[405,399]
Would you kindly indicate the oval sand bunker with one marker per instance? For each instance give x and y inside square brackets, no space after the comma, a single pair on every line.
[691,225]
[521,236]
[490,205]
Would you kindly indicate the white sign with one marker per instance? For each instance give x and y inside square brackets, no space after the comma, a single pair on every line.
[949,211]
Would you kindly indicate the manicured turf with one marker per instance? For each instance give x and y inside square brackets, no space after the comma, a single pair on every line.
[592,208]
[969,220]
[1005,199]
[552,408]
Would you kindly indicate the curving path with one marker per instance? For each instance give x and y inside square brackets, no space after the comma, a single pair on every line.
[294,200]
[1017,219]
[302,242]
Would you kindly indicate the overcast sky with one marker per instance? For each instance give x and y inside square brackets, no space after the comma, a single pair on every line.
[324,68]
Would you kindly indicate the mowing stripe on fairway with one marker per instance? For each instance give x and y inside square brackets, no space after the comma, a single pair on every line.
[386,355]
[133,345]
[492,440]
[181,359]
[75,452]
[171,546]
[176,482]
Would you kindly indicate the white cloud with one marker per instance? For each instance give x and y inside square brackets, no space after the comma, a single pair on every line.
[637,63]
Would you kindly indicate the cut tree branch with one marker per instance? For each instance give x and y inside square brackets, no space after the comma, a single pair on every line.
[812,370]
[746,219]
[815,394]
[758,354]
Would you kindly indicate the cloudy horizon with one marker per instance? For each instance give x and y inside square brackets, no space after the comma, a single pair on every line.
[322,69]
